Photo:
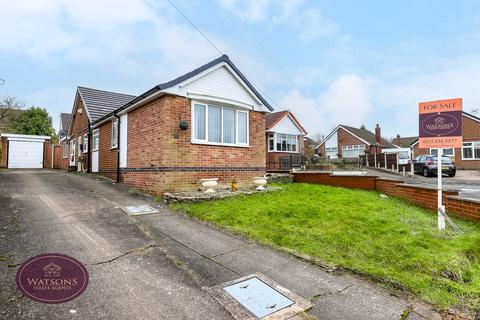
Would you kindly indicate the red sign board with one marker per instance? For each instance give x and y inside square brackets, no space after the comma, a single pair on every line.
[440,124]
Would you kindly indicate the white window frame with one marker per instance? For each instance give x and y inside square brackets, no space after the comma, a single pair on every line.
[79,146]
[95,134]
[275,143]
[356,147]
[205,141]
[271,137]
[443,152]
[64,150]
[472,147]
[85,143]
[114,137]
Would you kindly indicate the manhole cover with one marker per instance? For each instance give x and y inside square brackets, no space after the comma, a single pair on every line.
[258,297]
[141,209]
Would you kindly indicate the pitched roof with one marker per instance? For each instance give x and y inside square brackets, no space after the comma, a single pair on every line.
[272,119]
[404,141]
[368,136]
[188,75]
[99,103]
[363,134]
[65,120]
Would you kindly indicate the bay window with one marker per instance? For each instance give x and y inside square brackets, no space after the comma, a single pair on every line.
[471,150]
[219,125]
[353,151]
[282,142]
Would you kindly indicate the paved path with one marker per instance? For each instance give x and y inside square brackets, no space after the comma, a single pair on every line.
[130,275]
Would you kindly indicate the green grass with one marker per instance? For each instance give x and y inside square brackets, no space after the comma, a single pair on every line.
[383,238]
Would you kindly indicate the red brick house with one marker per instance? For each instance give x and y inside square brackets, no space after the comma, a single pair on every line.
[467,157]
[285,139]
[346,142]
[89,105]
[208,123]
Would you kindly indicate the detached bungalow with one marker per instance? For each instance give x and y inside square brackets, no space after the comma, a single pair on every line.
[208,123]
[350,142]
[285,140]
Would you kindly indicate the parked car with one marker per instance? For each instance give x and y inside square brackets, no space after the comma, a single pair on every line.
[427,165]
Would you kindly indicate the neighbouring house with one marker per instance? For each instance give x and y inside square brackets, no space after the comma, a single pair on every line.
[61,152]
[208,123]
[346,142]
[467,157]
[64,125]
[285,141]
[404,142]
[89,106]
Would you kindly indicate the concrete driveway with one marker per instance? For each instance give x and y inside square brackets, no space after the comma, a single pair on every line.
[130,276]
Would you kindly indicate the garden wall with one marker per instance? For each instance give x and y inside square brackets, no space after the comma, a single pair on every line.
[422,196]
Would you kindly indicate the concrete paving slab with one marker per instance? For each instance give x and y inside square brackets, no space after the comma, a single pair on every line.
[201,238]
[252,259]
[356,303]
[306,279]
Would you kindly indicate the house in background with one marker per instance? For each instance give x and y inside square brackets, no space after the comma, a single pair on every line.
[285,140]
[404,142]
[346,142]
[62,161]
[467,157]
[208,123]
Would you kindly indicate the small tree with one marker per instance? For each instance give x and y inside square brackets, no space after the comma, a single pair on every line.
[34,121]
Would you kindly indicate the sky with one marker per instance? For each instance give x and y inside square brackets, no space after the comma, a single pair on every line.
[330,62]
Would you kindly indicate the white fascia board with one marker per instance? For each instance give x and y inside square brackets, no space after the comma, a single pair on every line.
[294,122]
[327,137]
[24,137]
[469,117]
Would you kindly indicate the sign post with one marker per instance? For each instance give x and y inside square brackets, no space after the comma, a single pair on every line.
[440,126]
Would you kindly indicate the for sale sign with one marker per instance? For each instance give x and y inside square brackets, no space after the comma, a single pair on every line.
[440,124]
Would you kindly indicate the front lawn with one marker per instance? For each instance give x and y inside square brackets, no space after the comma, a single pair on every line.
[382,237]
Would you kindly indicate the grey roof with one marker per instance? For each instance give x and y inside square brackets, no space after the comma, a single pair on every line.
[99,103]
[169,84]
[368,136]
[65,120]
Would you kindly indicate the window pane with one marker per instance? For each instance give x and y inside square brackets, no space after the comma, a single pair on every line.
[476,150]
[270,144]
[228,126]
[242,127]
[199,121]
[467,153]
[214,124]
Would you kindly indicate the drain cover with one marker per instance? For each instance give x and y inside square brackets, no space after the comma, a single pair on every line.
[258,297]
[141,209]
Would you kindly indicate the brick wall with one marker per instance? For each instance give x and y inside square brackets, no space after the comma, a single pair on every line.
[79,128]
[355,182]
[471,132]
[425,197]
[3,152]
[162,158]
[107,157]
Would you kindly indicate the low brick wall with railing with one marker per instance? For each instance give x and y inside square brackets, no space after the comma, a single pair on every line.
[422,196]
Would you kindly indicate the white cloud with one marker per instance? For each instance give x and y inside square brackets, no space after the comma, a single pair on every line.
[248,10]
[345,101]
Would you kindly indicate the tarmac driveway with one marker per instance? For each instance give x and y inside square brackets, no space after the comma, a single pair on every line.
[130,276]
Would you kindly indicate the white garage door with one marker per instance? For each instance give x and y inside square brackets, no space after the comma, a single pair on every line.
[25,154]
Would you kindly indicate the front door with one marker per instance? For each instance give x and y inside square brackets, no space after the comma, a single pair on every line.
[95,143]
[79,153]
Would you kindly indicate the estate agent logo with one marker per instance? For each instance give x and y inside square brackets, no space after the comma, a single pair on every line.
[52,278]
[440,124]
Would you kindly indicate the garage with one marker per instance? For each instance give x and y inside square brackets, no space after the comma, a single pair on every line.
[22,151]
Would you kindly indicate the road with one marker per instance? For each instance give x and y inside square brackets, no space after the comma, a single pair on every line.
[130,276]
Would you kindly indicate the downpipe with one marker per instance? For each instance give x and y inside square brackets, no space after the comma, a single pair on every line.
[118,147]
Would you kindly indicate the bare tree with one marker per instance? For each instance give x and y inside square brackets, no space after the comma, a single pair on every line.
[318,137]
[476,111]
[8,105]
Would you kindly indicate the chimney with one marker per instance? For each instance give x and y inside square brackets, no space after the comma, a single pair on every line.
[398,140]
[378,135]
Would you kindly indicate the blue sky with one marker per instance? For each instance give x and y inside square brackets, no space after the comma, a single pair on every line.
[330,62]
